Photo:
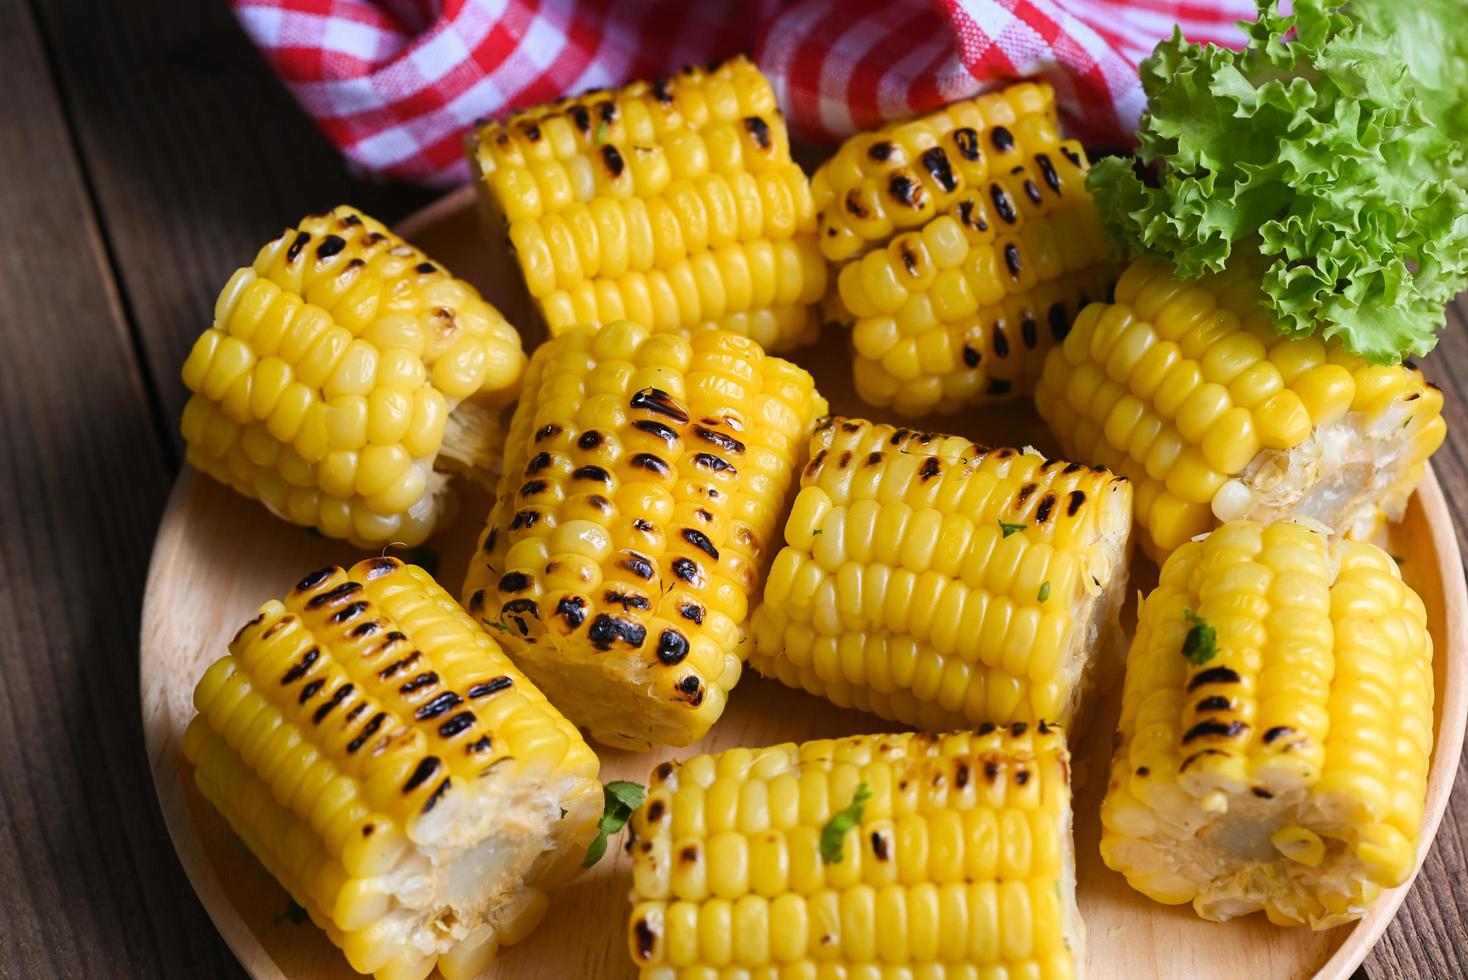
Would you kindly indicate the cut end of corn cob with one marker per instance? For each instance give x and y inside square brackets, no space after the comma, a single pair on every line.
[942,584]
[645,474]
[1278,762]
[673,203]
[958,863]
[1189,390]
[968,242]
[344,376]
[386,762]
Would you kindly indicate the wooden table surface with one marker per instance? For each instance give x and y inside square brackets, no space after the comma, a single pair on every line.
[144,155]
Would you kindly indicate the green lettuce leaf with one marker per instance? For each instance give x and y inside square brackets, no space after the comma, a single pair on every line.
[1334,158]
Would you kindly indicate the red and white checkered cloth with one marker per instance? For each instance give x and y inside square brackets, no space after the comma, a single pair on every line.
[396,83]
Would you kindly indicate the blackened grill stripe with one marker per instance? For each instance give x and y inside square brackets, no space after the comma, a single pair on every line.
[659,401]
[337,697]
[298,669]
[1047,171]
[439,705]
[386,673]
[651,463]
[700,541]
[426,679]
[1207,729]
[457,725]
[422,773]
[368,730]
[348,612]
[340,592]
[1213,675]
[658,429]
[311,689]
[716,463]
[1002,204]
[437,794]
[727,443]
[1216,702]
[489,687]
[594,473]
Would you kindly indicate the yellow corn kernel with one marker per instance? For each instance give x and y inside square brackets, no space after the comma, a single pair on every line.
[985,267]
[649,203]
[386,762]
[941,584]
[960,854]
[361,369]
[645,475]
[1275,729]
[1186,387]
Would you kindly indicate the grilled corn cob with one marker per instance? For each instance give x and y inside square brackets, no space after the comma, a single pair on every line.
[968,242]
[1278,762]
[1188,389]
[673,203]
[645,475]
[959,864]
[942,584]
[344,377]
[392,769]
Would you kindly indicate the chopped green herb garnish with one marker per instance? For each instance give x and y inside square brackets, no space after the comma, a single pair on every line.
[817,531]
[833,834]
[1044,591]
[601,133]
[1201,643]
[563,813]
[1009,528]
[621,799]
[1407,421]
[496,624]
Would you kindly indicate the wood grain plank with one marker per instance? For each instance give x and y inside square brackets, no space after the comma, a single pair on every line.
[1429,937]
[90,883]
[197,155]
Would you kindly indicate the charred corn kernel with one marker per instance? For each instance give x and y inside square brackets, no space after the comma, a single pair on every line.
[674,203]
[971,231]
[344,361]
[390,766]
[644,480]
[943,584]
[1280,761]
[1187,389]
[959,863]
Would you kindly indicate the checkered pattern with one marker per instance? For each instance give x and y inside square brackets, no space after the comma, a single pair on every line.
[397,83]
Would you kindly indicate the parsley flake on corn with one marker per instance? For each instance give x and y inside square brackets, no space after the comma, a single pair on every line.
[346,376]
[966,242]
[385,761]
[1287,770]
[1188,389]
[645,475]
[956,861]
[674,203]
[951,584]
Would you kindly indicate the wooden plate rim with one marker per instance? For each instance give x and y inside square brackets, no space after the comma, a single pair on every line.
[164,750]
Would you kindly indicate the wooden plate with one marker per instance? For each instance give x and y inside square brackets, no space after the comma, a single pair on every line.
[218,556]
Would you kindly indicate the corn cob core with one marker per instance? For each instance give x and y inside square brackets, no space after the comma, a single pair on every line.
[1188,389]
[644,477]
[942,584]
[967,242]
[344,376]
[1288,772]
[961,864]
[673,203]
[386,762]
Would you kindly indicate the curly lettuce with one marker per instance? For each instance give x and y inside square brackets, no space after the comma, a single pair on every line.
[1332,148]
